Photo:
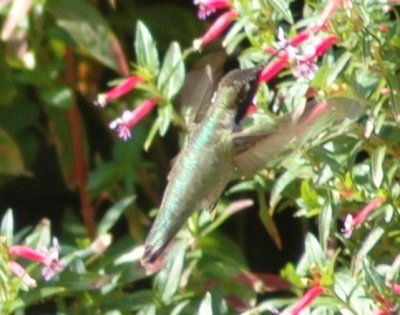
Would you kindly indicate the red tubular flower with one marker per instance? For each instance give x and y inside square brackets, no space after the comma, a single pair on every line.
[48,258]
[300,37]
[306,299]
[251,109]
[120,90]
[324,45]
[273,69]
[219,26]
[207,7]
[129,119]
[351,222]
[28,253]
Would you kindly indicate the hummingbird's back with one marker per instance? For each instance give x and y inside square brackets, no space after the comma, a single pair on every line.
[198,176]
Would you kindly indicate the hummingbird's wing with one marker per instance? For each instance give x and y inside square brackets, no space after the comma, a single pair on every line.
[252,149]
[200,85]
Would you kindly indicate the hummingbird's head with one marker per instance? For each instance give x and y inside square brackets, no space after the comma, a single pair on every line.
[238,87]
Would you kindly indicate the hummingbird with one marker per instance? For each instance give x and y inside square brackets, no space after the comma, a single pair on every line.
[218,145]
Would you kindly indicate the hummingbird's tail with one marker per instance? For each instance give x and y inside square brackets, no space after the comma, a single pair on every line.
[160,236]
[151,254]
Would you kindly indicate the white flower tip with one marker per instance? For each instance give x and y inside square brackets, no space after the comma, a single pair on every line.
[197,44]
[281,34]
[348,226]
[101,100]
[126,116]
[115,123]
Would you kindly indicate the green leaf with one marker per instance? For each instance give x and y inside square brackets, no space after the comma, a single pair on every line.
[33,296]
[394,84]
[88,29]
[180,308]
[295,170]
[168,279]
[212,303]
[11,162]
[136,301]
[113,214]
[267,221]
[148,310]
[165,116]
[325,225]
[290,273]
[172,74]
[338,67]
[377,165]
[58,96]
[282,6]
[41,236]
[145,48]
[373,238]
[151,135]
[366,82]
[7,226]
[206,305]
[313,255]
[372,277]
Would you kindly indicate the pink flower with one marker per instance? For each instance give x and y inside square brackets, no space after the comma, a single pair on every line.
[273,69]
[306,299]
[306,67]
[324,45]
[49,258]
[300,37]
[207,7]
[219,26]
[20,272]
[129,119]
[120,90]
[351,222]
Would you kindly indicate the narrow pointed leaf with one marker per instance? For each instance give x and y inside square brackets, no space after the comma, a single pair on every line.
[377,166]
[113,214]
[268,221]
[325,225]
[87,28]
[7,226]
[145,48]
[172,72]
[168,279]
[282,7]
[373,238]
[206,305]
[11,161]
